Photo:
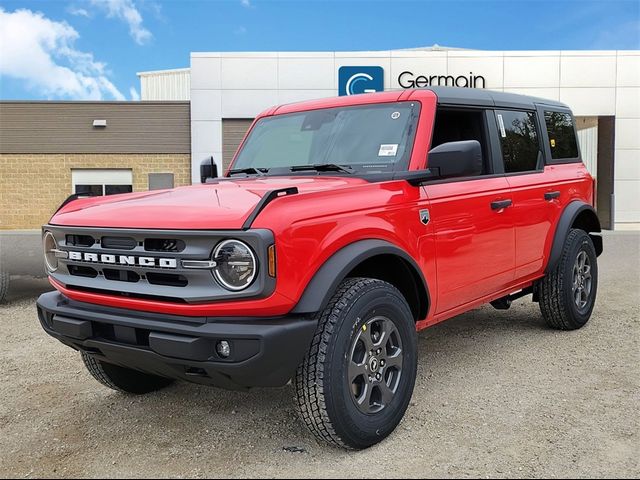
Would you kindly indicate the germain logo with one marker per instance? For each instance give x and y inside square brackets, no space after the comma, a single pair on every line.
[353,80]
[132,260]
[409,80]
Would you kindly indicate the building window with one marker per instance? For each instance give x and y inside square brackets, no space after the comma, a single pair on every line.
[101,181]
[562,136]
[519,140]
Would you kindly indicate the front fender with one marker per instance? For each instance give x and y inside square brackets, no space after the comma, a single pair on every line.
[324,283]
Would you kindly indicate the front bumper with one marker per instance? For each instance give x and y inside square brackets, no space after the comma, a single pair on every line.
[264,351]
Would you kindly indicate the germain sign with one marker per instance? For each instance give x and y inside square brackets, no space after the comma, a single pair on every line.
[408,79]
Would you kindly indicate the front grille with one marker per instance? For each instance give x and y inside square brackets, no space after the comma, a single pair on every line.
[156,278]
[80,240]
[147,264]
[163,245]
[119,243]
[82,271]
[120,275]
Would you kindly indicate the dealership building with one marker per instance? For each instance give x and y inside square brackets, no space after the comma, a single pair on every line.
[205,110]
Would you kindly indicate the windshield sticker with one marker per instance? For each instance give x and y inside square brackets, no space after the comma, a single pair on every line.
[395,115]
[388,150]
[501,125]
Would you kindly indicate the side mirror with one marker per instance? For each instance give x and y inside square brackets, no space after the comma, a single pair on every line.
[456,159]
[208,169]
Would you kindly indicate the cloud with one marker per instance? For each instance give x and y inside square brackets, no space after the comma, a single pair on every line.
[246,3]
[240,30]
[78,12]
[126,11]
[135,96]
[42,54]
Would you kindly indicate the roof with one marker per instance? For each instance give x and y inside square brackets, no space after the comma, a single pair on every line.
[433,48]
[174,71]
[489,98]
[445,96]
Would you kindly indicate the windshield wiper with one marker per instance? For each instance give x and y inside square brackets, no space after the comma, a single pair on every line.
[323,167]
[249,171]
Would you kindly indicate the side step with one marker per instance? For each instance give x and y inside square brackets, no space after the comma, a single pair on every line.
[503,303]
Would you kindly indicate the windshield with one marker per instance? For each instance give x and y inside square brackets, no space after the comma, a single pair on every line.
[365,138]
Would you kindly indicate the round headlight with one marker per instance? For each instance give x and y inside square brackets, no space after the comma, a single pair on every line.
[235,264]
[50,246]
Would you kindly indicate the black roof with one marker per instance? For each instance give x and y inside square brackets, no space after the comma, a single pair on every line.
[489,98]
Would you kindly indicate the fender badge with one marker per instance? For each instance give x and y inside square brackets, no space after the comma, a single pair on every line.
[424,216]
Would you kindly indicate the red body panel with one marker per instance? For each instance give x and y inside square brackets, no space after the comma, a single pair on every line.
[468,253]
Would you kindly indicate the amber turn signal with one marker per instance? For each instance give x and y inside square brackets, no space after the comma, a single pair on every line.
[272,261]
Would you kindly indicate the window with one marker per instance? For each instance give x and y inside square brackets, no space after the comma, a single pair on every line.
[457,125]
[101,182]
[369,138]
[562,136]
[519,140]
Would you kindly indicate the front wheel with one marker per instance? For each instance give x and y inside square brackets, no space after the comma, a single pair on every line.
[354,385]
[124,380]
[568,293]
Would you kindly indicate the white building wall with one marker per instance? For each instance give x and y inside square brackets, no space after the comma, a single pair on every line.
[165,85]
[592,83]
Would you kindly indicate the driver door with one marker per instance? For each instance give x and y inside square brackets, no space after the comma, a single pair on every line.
[472,221]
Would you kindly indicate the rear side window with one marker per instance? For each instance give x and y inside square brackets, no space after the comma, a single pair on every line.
[519,140]
[562,135]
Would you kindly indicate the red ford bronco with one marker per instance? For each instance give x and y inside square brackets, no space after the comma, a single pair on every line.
[343,226]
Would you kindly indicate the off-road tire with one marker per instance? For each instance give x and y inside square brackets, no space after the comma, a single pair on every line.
[323,395]
[4,285]
[122,379]
[557,302]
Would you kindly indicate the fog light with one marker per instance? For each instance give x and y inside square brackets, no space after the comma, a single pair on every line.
[223,348]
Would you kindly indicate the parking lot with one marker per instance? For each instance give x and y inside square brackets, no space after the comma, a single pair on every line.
[498,395]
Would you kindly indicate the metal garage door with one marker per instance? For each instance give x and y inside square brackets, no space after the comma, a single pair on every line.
[232,134]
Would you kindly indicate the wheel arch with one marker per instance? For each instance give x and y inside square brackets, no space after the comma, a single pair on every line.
[368,258]
[576,214]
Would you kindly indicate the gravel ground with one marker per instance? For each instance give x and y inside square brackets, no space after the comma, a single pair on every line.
[498,395]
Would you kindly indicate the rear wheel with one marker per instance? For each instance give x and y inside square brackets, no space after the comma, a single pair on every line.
[123,379]
[355,383]
[4,284]
[568,293]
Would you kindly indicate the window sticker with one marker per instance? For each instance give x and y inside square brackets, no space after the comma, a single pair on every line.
[388,150]
[501,125]
[395,115]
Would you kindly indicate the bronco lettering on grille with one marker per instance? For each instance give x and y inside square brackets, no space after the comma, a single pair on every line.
[123,259]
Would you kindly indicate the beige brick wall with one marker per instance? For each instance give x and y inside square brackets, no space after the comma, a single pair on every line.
[32,186]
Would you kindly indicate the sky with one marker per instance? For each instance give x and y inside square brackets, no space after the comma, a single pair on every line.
[92,49]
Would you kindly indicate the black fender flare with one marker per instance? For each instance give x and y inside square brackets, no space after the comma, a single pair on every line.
[567,219]
[325,281]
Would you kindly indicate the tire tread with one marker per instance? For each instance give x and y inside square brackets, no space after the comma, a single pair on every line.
[553,304]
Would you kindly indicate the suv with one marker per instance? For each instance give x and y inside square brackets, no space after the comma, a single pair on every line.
[343,226]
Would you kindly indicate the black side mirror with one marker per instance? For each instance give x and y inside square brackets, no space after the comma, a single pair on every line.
[208,169]
[456,159]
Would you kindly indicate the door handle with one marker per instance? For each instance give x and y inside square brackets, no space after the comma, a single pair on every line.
[500,204]
[548,196]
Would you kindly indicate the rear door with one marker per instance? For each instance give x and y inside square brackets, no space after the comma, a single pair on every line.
[471,217]
[535,194]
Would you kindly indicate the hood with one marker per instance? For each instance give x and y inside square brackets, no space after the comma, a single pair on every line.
[223,205]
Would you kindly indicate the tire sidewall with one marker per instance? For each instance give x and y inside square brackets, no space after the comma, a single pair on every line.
[353,426]
[579,243]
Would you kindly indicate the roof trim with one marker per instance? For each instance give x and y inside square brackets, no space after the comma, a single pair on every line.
[490,98]
[98,102]
[163,72]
